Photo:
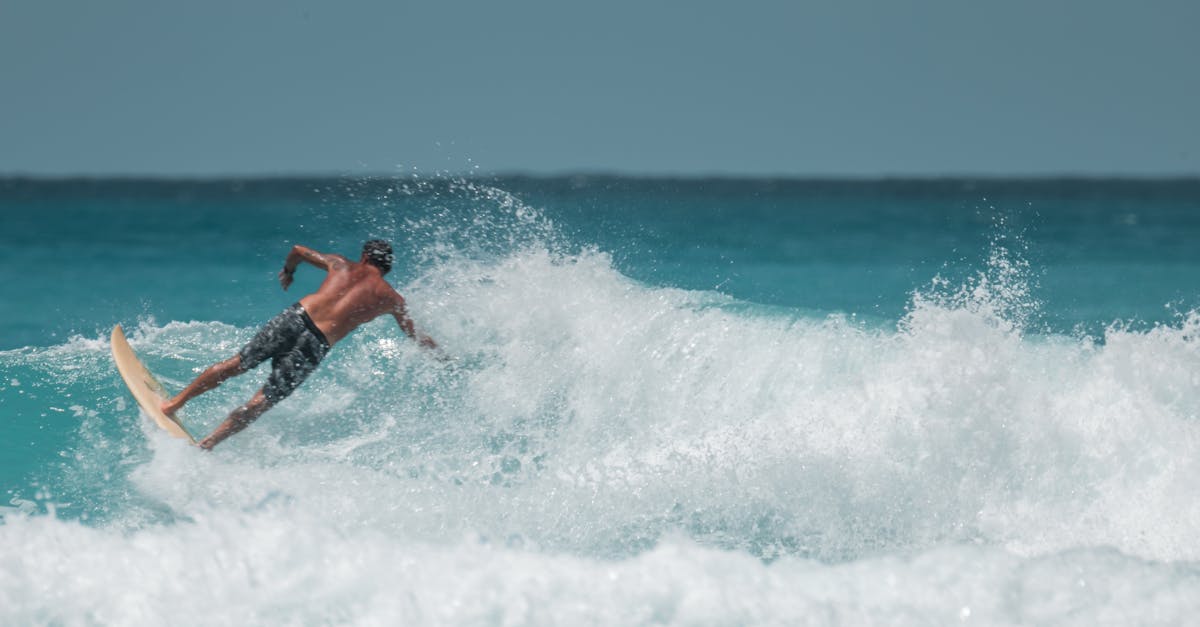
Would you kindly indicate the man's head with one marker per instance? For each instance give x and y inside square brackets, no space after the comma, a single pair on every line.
[379,254]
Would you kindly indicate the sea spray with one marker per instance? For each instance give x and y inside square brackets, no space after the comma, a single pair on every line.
[613,413]
[611,450]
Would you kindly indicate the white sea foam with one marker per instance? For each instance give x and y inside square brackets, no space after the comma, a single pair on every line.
[268,567]
[607,452]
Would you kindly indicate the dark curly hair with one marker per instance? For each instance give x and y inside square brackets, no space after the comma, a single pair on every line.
[378,253]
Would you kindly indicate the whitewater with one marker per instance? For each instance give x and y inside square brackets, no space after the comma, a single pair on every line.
[609,450]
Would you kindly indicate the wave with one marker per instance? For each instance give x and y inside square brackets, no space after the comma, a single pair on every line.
[599,438]
[611,413]
[265,568]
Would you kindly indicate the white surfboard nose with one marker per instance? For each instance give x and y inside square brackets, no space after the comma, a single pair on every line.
[146,390]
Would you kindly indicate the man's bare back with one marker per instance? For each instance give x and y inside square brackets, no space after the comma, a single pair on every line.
[297,340]
[351,295]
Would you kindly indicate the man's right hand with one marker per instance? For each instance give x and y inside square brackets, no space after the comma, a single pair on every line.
[285,278]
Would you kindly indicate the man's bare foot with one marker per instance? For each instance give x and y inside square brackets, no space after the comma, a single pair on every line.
[170,407]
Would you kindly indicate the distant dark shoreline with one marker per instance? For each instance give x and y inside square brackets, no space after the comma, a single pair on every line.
[606,176]
[367,186]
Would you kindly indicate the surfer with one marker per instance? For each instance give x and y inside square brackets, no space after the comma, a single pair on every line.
[298,339]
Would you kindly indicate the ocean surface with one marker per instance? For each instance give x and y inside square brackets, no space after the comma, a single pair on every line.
[673,402]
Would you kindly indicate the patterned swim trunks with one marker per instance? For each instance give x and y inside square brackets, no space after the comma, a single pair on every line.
[295,346]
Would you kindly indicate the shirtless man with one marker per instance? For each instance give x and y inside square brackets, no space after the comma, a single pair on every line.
[297,339]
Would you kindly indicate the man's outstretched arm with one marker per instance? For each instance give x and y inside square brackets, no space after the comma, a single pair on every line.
[400,313]
[300,253]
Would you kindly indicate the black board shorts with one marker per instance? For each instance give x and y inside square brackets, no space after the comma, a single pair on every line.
[295,346]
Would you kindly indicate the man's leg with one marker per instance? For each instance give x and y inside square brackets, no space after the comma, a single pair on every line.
[209,379]
[238,420]
[295,355]
[268,342]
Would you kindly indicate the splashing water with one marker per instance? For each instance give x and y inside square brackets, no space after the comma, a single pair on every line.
[609,451]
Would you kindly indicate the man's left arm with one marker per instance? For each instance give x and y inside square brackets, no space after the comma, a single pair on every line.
[300,253]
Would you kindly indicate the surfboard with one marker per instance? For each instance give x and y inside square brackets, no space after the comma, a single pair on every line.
[146,390]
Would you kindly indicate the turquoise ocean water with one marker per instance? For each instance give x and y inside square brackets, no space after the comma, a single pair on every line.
[673,402]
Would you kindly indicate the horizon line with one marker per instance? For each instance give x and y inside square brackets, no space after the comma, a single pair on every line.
[594,174]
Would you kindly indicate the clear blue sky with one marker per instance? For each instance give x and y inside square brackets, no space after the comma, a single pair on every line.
[795,88]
